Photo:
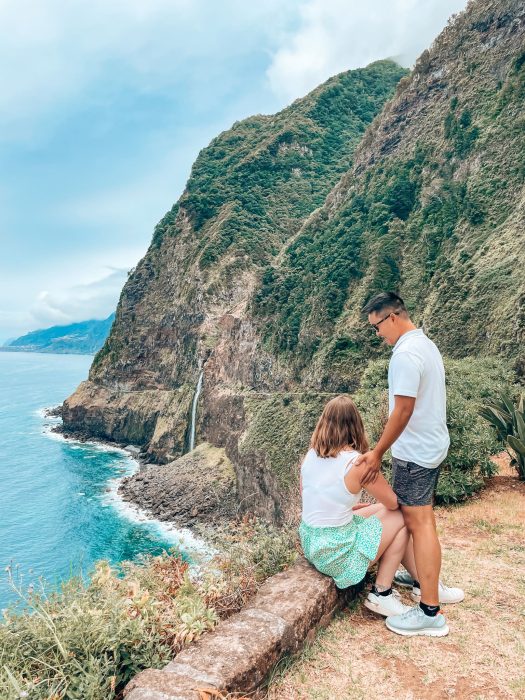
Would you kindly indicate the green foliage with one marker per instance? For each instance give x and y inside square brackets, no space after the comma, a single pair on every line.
[469,383]
[509,422]
[86,641]
[460,131]
[165,226]
[264,176]
[326,259]
[253,548]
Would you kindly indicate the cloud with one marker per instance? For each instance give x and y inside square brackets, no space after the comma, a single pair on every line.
[55,54]
[83,302]
[336,35]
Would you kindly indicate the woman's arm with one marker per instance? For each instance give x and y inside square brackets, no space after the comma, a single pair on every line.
[380,489]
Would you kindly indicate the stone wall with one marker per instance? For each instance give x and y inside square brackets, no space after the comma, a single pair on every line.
[239,654]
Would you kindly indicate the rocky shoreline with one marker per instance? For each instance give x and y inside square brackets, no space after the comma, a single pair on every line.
[197,488]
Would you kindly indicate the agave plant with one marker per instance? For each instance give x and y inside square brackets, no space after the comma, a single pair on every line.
[509,422]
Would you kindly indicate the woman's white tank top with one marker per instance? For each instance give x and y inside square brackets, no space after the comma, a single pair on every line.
[326,500]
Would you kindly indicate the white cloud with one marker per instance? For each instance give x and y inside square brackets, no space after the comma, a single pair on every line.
[95,300]
[53,53]
[75,288]
[336,35]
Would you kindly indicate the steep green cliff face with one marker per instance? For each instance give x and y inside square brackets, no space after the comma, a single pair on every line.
[433,207]
[249,191]
[254,185]
[184,306]
[257,275]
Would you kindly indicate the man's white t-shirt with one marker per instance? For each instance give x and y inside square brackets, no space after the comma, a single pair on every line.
[416,369]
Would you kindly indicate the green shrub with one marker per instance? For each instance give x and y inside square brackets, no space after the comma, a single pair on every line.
[87,640]
[83,642]
[469,383]
[253,548]
[509,423]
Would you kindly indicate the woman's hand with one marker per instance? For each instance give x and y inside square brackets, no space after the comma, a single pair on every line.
[358,506]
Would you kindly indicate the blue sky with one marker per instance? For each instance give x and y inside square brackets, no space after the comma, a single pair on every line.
[105,104]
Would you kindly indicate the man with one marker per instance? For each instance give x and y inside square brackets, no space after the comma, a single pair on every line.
[416,431]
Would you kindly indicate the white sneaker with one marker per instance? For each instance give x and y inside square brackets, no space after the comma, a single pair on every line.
[446,594]
[386,604]
[416,622]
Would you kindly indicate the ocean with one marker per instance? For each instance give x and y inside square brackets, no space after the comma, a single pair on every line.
[59,508]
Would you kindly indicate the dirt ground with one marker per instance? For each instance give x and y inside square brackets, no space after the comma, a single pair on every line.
[483,657]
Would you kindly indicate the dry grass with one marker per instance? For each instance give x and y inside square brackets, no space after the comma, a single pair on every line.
[356,657]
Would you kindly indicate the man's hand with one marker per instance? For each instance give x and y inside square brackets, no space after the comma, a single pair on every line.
[371,462]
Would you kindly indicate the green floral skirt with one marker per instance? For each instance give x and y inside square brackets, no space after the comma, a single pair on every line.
[343,552]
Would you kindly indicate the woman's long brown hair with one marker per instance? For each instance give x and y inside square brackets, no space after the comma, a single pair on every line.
[339,425]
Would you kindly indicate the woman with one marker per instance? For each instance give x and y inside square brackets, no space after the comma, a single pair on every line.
[336,540]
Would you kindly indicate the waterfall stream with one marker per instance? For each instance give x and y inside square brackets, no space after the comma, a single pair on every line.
[194,411]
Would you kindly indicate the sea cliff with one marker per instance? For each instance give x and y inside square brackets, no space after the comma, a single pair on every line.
[288,223]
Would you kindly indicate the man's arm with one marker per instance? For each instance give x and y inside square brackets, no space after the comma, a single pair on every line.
[397,422]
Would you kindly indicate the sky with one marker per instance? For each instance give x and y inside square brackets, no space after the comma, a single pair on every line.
[105,105]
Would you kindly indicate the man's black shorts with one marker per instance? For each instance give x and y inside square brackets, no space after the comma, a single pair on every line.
[413,485]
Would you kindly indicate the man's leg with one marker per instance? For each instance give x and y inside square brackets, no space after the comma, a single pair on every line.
[414,486]
[421,524]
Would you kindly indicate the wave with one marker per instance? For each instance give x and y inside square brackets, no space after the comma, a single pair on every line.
[182,538]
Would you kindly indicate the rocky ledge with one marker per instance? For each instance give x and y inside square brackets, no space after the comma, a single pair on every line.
[240,653]
[199,487]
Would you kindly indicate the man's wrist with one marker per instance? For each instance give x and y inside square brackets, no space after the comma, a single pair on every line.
[378,454]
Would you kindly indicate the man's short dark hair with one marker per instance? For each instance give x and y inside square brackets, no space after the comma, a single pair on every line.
[386,301]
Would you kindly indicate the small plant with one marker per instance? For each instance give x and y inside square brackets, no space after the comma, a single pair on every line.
[509,421]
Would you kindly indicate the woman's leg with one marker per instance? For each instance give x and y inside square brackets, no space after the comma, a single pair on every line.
[394,540]
[391,559]
[409,560]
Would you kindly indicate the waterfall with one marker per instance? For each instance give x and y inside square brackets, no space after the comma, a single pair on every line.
[194,411]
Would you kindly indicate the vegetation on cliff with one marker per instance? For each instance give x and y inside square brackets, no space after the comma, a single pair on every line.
[432,207]
[262,178]
[89,640]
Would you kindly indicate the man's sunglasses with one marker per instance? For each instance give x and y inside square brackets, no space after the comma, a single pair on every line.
[375,326]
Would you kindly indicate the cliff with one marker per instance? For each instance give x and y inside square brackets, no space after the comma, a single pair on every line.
[434,206]
[257,275]
[86,337]
[185,306]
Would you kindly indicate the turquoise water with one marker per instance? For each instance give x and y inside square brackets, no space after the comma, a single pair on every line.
[59,512]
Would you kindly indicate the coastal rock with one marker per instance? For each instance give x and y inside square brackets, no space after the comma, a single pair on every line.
[198,487]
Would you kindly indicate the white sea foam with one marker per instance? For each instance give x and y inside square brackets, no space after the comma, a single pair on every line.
[44,413]
[182,538]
